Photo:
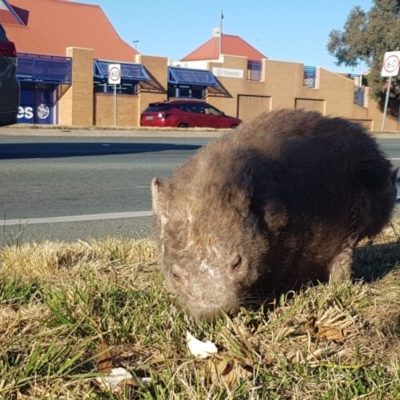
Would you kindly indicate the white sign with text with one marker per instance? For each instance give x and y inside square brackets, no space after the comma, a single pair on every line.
[228,72]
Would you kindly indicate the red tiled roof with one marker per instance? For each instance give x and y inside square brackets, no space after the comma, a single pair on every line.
[231,45]
[53,25]
[6,16]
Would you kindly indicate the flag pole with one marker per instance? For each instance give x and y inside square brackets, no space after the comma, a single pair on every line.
[220,35]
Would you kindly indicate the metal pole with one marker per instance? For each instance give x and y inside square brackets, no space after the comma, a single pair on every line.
[220,35]
[115,104]
[386,103]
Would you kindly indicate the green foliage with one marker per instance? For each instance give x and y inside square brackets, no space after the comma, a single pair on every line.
[366,37]
[15,291]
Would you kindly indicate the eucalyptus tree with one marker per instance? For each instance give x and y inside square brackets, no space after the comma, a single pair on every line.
[366,37]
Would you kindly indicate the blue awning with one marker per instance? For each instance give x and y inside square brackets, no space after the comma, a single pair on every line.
[42,68]
[129,72]
[186,76]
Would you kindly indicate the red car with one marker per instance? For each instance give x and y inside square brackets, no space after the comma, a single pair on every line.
[186,114]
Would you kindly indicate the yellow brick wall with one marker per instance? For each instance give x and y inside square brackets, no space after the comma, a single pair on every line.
[157,90]
[65,108]
[76,106]
[250,106]
[282,83]
[310,105]
[126,110]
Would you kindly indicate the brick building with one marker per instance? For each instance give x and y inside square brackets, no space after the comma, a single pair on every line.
[65,48]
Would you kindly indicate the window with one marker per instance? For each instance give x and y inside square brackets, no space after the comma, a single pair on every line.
[131,75]
[359,95]
[125,88]
[310,77]
[254,70]
[197,108]
[158,108]
[189,91]
[211,110]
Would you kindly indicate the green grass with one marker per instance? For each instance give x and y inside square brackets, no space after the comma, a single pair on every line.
[59,301]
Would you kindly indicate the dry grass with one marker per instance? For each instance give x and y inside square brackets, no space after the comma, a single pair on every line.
[58,301]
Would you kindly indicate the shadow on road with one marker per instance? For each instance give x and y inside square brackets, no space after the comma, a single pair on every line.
[12,151]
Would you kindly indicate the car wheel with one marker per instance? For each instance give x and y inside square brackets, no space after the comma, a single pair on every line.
[233,126]
[182,125]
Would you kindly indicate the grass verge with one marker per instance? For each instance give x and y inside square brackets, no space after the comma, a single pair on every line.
[60,301]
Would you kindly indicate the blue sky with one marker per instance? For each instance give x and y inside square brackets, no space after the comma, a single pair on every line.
[290,30]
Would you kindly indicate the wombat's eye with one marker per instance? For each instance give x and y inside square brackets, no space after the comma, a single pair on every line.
[176,273]
[175,276]
[236,262]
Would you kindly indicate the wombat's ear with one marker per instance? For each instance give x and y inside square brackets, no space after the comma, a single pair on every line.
[156,196]
[245,191]
[393,178]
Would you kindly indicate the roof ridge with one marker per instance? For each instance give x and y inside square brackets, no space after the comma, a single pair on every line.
[232,45]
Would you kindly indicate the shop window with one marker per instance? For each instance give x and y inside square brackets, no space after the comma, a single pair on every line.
[186,91]
[124,88]
[131,75]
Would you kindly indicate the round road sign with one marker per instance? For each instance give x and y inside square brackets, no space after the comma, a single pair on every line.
[391,63]
[114,74]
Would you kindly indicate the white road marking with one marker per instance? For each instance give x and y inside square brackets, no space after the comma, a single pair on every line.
[89,217]
[75,218]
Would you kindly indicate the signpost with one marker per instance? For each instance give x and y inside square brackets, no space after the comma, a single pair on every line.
[114,78]
[391,64]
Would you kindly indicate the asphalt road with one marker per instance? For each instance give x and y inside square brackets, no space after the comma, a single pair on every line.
[45,177]
[99,185]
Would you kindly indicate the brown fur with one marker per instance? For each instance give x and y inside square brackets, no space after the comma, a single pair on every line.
[279,202]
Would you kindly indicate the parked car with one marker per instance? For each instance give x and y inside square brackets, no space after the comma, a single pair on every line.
[9,84]
[186,114]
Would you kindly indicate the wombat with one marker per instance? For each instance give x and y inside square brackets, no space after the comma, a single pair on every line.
[277,203]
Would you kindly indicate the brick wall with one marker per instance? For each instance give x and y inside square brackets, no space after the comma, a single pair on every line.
[126,110]
[157,90]
[281,86]
[76,106]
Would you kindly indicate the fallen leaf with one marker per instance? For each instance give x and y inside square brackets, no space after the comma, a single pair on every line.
[105,361]
[228,370]
[158,358]
[329,333]
[128,382]
[199,348]
[325,332]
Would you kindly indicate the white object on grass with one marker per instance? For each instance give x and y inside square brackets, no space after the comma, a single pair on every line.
[116,376]
[199,348]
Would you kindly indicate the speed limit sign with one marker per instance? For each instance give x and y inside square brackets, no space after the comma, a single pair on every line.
[114,74]
[391,63]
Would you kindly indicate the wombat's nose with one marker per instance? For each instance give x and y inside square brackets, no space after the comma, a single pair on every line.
[208,314]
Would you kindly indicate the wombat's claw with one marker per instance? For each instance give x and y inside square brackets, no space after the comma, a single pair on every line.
[340,268]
